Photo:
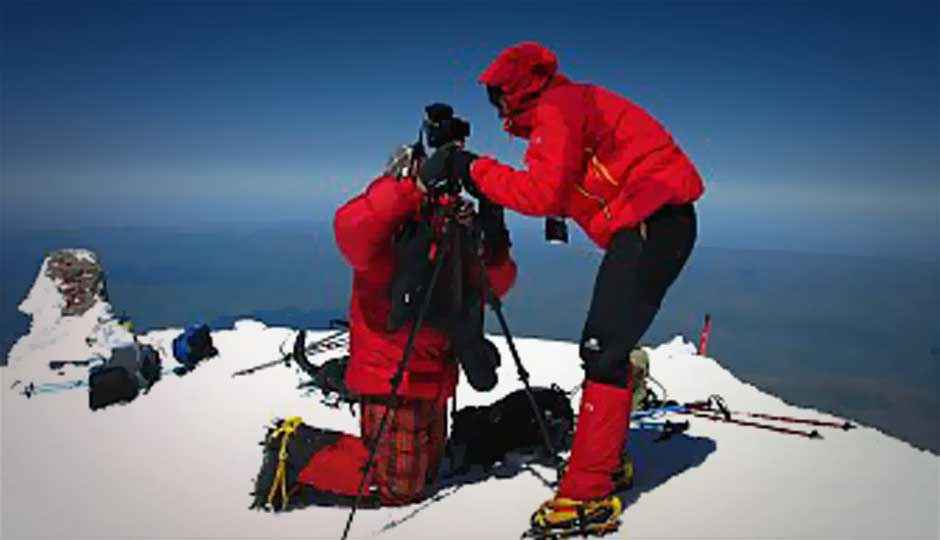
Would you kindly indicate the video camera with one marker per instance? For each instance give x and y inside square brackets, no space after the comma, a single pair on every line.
[441,127]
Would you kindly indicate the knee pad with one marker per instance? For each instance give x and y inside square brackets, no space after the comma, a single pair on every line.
[605,363]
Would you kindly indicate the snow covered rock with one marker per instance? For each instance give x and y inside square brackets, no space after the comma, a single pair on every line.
[71,319]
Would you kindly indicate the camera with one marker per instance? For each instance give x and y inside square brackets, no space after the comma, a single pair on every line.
[556,230]
[442,127]
[439,129]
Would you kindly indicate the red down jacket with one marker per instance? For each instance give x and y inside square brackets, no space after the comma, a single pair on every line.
[364,229]
[593,155]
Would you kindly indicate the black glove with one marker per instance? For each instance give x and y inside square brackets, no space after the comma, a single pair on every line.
[449,163]
[460,168]
[477,356]
[435,171]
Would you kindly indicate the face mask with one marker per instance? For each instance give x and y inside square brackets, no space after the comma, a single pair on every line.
[495,94]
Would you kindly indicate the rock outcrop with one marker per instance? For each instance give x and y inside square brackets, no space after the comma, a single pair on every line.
[79,278]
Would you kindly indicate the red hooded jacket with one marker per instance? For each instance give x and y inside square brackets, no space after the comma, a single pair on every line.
[365,228]
[593,155]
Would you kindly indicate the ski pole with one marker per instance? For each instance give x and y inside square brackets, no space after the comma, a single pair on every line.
[722,407]
[845,425]
[808,434]
[395,382]
[59,364]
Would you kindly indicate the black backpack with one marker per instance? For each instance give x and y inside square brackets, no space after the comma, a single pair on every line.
[456,304]
[129,370]
[276,487]
[483,435]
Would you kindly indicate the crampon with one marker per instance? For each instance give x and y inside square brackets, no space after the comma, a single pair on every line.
[568,518]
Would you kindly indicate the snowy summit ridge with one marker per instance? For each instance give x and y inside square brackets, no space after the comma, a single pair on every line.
[187,452]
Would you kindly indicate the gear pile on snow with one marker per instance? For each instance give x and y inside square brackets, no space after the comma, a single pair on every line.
[130,370]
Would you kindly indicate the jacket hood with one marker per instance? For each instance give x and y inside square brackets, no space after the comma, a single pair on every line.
[522,72]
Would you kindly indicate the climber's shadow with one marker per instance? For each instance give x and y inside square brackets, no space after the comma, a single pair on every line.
[655,462]
[452,478]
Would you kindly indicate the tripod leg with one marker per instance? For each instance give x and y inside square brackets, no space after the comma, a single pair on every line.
[496,305]
[524,377]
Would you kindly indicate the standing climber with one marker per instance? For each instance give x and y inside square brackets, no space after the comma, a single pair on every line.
[601,160]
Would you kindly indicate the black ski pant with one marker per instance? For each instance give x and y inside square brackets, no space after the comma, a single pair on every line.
[633,279]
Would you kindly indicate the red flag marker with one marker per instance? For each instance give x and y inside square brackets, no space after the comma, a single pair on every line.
[703,337]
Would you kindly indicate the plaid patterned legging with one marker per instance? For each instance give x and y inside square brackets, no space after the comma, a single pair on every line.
[410,450]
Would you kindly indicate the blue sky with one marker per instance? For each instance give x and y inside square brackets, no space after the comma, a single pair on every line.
[816,125]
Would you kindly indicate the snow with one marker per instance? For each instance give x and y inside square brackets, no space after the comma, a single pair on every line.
[84,255]
[179,462]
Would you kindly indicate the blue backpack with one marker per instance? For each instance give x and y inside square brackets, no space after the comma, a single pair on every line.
[193,345]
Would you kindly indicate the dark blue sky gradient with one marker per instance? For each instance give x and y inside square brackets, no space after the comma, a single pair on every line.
[817,127]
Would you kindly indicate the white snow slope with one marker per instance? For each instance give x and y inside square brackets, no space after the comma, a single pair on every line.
[179,462]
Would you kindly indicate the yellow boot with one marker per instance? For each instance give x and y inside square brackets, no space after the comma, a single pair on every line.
[561,517]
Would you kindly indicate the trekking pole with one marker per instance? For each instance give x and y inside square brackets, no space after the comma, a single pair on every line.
[395,382]
[497,305]
[844,425]
[722,407]
[59,364]
[33,389]
[814,434]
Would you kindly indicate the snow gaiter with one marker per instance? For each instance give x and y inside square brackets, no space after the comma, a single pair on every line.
[599,439]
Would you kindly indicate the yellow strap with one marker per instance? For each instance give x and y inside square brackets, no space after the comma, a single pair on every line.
[602,170]
[597,198]
[287,428]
